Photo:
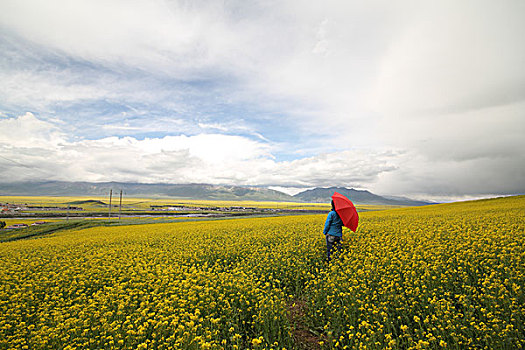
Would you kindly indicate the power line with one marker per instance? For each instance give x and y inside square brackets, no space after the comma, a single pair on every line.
[25,165]
[17,163]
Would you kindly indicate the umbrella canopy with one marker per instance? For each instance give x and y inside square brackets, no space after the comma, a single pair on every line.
[346,210]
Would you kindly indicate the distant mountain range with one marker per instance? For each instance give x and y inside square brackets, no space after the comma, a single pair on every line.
[183,191]
[322,195]
[193,191]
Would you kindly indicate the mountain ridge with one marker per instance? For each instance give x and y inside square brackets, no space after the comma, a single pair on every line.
[181,191]
[194,191]
[322,194]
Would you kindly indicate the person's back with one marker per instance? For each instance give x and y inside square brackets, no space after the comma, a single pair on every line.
[333,231]
[333,225]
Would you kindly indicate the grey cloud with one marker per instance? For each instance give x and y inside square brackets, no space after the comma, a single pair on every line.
[428,178]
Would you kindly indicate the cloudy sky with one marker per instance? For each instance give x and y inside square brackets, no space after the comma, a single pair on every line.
[417,98]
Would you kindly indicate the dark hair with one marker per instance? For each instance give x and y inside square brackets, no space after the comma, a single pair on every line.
[333,209]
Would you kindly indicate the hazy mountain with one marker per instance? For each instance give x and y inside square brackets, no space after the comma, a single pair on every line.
[193,191]
[187,191]
[322,195]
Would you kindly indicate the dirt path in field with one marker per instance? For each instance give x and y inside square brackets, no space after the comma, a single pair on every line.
[303,337]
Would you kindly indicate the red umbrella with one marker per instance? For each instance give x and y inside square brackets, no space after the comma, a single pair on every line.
[346,210]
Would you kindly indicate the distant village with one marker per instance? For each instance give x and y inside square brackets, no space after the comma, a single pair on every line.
[15,226]
[40,212]
[222,209]
[12,208]
[9,209]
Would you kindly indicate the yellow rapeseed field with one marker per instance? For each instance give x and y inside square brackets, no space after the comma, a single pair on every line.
[146,203]
[445,276]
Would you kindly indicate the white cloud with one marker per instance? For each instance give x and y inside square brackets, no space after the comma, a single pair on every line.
[354,168]
[208,158]
[38,89]
[29,132]
[290,190]
[214,126]
[168,37]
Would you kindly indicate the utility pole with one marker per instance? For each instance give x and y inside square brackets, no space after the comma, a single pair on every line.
[110,194]
[120,206]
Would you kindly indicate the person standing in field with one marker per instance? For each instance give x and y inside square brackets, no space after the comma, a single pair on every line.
[333,231]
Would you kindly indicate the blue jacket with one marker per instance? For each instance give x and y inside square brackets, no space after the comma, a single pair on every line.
[333,225]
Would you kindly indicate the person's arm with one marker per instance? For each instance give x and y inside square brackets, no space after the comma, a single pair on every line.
[327,223]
